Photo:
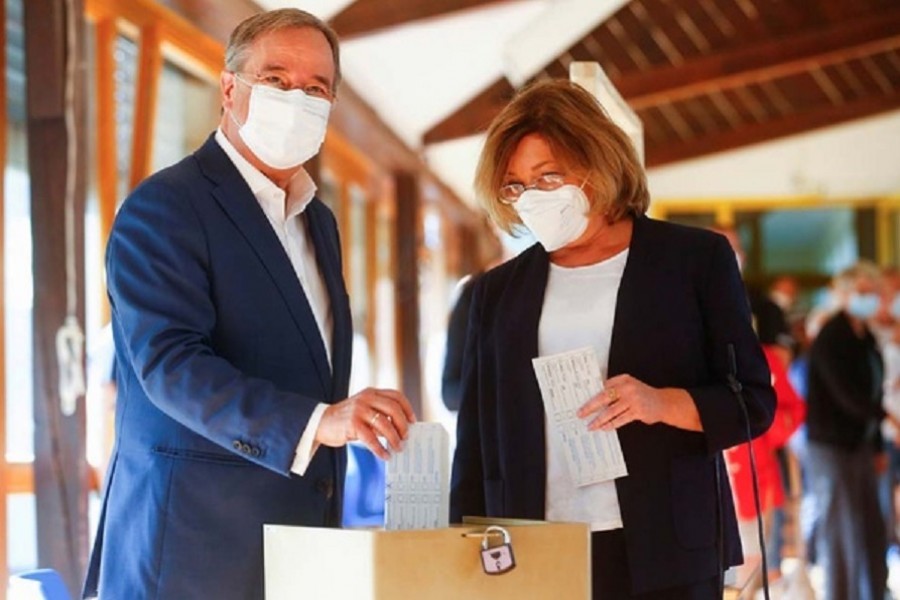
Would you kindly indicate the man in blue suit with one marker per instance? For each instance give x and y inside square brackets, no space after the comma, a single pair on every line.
[233,338]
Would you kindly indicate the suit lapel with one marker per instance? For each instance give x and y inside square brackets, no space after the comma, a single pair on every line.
[238,202]
[321,226]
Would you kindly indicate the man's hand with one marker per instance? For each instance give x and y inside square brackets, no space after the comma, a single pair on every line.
[364,416]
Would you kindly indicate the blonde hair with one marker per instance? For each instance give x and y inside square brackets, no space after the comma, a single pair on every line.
[581,136]
[847,278]
[250,29]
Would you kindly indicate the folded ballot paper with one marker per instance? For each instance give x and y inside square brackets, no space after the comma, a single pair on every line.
[567,381]
[417,480]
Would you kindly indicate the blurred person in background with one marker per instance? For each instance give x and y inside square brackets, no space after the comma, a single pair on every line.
[660,304]
[844,412]
[887,331]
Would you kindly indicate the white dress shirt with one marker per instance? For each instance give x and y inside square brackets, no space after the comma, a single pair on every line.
[285,215]
[579,309]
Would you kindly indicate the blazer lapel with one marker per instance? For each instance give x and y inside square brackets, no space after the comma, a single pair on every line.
[521,303]
[631,288]
[236,200]
[327,245]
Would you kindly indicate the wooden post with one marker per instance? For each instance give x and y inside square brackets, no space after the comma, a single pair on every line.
[149,70]
[408,238]
[105,114]
[60,467]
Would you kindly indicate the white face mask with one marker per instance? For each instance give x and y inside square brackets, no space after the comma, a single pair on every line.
[284,128]
[557,217]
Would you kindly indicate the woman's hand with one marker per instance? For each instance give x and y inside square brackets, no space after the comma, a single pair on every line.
[626,399]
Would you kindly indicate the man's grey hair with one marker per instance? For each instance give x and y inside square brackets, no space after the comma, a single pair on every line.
[250,29]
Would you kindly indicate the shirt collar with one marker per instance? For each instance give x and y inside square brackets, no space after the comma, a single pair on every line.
[301,189]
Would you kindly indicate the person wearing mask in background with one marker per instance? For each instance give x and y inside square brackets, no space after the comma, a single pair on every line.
[233,338]
[772,479]
[772,314]
[789,414]
[887,331]
[844,451]
[665,310]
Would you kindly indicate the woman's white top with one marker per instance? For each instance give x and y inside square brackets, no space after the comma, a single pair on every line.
[579,308]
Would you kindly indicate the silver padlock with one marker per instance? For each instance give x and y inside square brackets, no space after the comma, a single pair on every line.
[497,560]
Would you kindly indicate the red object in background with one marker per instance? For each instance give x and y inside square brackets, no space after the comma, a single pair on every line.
[790,412]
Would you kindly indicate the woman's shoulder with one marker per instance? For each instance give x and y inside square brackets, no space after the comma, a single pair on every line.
[666,237]
[677,231]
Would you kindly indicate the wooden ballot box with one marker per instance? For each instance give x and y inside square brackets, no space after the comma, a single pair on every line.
[552,561]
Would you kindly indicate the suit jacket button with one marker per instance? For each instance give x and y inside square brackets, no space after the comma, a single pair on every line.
[245,448]
[326,486]
[254,451]
[236,444]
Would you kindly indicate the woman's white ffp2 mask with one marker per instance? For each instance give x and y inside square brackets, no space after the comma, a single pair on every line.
[557,217]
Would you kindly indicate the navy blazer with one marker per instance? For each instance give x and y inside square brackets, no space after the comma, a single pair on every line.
[844,387]
[680,304]
[220,364]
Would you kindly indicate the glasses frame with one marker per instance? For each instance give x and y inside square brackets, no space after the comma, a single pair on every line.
[260,79]
[557,180]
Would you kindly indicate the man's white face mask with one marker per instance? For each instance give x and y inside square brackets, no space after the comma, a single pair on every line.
[283,129]
[556,217]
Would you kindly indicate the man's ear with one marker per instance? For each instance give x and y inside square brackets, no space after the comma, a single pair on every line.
[227,83]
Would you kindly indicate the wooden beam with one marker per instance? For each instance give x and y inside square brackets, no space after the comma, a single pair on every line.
[209,17]
[827,115]
[60,468]
[4,467]
[367,16]
[474,116]
[763,61]
[147,84]
[408,235]
[749,64]
[363,129]
[184,43]
[20,478]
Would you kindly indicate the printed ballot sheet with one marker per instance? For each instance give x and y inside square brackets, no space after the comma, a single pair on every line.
[567,381]
[417,480]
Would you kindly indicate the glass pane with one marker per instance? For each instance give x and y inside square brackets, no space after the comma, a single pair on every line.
[17,254]
[21,528]
[187,112]
[386,374]
[819,241]
[126,54]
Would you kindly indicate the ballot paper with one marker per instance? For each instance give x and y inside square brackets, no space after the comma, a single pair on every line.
[567,381]
[417,480]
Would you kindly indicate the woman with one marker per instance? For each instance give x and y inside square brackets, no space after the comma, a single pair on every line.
[664,308]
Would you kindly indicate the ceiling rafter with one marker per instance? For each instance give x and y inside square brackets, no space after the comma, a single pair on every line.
[771,59]
[365,17]
[474,116]
[747,134]
[755,63]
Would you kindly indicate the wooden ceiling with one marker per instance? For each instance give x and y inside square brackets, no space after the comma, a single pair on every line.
[705,75]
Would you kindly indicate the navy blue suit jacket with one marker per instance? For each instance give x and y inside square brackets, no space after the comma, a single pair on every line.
[219,367]
[680,304]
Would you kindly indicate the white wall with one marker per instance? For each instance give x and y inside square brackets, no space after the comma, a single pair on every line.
[856,159]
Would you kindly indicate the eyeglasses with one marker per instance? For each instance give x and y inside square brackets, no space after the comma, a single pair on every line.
[279,82]
[509,193]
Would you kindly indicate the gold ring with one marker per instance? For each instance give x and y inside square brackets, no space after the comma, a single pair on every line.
[613,394]
[374,418]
